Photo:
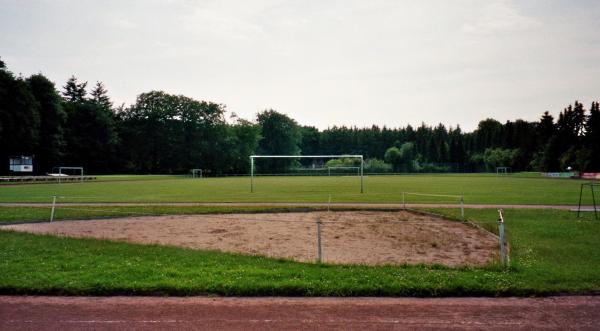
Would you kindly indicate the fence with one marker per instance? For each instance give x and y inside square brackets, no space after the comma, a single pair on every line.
[460,200]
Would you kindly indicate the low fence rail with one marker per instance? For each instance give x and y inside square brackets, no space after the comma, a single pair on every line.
[34,179]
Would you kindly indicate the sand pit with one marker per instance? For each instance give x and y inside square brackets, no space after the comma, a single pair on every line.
[357,237]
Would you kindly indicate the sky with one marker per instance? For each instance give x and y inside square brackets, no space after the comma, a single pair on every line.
[322,62]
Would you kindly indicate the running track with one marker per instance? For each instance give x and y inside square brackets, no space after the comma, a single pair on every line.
[210,313]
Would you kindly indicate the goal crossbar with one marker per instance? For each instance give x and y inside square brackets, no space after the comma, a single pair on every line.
[340,156]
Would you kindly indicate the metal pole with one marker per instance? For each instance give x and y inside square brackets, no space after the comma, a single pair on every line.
[580,194]
[319,252]
[251,174]
[462,207]
[362,162]
[53,206]
[501,236]
[594,201]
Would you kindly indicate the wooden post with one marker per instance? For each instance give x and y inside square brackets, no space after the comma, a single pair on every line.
[53,206]
[462,207]
[501,236]
[319,252]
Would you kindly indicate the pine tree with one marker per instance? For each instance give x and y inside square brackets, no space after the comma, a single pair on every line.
[592,136]
[100,97]
[74,91]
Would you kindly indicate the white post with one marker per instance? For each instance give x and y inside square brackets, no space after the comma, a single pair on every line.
[319,252]
[251,174]
[501,236]
[361,174]
[53,206]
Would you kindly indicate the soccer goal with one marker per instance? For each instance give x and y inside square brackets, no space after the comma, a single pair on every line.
[196,173]
[502,170]
[343,170]
[61,172]
[342,156]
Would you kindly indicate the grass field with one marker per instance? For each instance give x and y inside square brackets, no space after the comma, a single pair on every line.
[483,189]
[551,252]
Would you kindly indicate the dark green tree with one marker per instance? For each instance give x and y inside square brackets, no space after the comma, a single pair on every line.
[73,91]
[50,151]
[19,118]
[592,137]
[280,135]
[99,95]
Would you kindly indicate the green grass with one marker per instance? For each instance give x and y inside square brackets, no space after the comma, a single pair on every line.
[551,252]
[382,189]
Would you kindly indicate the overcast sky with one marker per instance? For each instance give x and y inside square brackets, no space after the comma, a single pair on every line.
[322,62]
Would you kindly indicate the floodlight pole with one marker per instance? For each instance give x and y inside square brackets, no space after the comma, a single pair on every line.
[594,201]
[579,206]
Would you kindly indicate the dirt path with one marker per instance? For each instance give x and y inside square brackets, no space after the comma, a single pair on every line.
[293,204]
[155,313]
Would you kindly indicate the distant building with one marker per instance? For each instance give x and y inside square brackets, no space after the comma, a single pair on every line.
[21,164]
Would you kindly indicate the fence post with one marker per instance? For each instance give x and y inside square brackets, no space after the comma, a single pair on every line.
[462,207]
[53,206]
[501,236]
[403,201]
[319,252]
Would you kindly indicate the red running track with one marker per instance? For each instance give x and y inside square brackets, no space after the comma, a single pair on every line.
[274,313]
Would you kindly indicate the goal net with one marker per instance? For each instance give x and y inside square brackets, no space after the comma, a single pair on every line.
[308,165]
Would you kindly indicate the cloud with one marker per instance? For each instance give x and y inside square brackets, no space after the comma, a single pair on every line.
[500,17]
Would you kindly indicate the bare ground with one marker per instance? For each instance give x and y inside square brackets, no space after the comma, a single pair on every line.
[193,313]
[357,237]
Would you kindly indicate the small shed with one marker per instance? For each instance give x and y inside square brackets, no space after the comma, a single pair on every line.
[21,163]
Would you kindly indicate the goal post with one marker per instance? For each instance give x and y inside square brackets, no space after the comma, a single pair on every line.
[196,173]
[61,173]
[503,170]
[342,156]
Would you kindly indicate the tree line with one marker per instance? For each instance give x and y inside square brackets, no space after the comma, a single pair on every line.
[165,133]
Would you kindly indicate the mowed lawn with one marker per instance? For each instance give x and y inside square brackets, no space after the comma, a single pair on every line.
[551,252]
[476,188]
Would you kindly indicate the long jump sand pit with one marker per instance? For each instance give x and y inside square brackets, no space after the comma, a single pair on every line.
[348,237]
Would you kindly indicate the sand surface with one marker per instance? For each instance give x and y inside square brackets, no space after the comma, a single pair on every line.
[353,237]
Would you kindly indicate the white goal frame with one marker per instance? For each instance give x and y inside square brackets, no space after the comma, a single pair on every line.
[342,156]
[503,170]
[329,169]
[60,169]
[195,173]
